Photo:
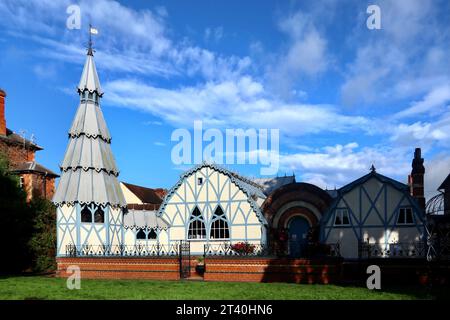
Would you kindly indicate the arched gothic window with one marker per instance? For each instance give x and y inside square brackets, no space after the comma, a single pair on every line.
[152,234]
[92,213]
[141,235]
[99,215]
[86,214]
[219,225]
[146,235]
[197,228]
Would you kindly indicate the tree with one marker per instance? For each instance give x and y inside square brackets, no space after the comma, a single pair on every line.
[15,222]
[28,230]
[43,240]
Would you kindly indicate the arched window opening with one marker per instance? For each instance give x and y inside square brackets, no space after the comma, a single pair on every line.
[99,215]
[197,228]
[219,225]
[86,214]
[141,235]
[152,234]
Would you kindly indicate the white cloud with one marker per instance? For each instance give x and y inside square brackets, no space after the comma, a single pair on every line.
[224,104]
[305,57]
[403,60]
[433,103]
[340,164]
[132,41]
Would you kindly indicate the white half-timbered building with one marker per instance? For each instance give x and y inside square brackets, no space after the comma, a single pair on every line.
[211,205]
[374,216]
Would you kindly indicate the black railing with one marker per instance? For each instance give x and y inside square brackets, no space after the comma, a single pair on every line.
[122,250]
[417,249]
[290,249]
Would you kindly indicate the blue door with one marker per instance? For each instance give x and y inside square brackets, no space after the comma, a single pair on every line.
[298,231]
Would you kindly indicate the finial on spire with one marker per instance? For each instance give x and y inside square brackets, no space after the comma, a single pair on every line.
[372,168]
[91,32]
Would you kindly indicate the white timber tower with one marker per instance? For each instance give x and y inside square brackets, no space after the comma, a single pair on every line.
[89,200]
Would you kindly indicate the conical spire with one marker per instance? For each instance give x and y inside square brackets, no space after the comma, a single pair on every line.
[89,78]
[88,171]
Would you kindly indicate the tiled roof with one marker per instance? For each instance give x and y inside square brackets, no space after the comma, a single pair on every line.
[14,138]
[146,195]
[33,167]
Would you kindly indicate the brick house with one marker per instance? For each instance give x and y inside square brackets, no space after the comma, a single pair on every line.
[35,179]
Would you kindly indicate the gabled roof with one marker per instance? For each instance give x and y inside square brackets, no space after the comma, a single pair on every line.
[376,175]
[146,195]
[250,188]
[445,184]
[13,138]
[271,184]
[33,167]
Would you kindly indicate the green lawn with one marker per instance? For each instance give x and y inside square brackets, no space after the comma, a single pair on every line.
[40,287]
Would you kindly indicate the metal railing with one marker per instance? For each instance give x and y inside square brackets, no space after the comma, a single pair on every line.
[305,250]
[228,249]
[122,250]
[417,249]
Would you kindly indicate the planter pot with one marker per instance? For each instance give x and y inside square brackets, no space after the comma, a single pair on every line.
[200,269]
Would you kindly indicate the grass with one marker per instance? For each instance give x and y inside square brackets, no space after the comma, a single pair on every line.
[42,287]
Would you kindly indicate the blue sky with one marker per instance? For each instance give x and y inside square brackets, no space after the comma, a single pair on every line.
[343,96]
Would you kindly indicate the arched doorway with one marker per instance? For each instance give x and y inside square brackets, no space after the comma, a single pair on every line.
[298,227]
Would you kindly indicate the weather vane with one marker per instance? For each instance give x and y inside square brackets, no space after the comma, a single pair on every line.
[92,31]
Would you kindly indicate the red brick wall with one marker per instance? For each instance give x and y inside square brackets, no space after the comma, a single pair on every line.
[16,153]
[34,186]
[122,267]
[271,270]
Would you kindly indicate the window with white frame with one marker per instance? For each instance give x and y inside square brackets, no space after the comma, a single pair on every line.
[219,225]
[197,228]
[342,218]
[405,216]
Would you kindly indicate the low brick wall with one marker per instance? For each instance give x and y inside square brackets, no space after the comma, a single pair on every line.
[156,268]
[244,269]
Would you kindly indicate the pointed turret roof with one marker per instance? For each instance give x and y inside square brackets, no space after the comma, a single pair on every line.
[88,170]
[89,78]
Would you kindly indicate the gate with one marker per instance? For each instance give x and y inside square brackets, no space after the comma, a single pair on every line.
[185,259]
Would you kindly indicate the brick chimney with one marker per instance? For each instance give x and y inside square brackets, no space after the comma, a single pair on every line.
[2,113]
[416,178]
